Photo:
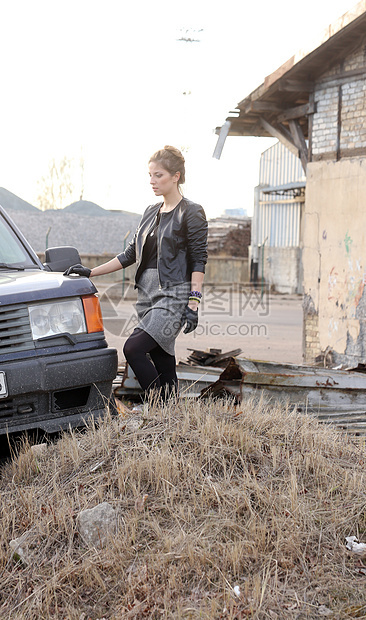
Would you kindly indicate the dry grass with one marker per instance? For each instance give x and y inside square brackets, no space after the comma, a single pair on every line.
[209,497]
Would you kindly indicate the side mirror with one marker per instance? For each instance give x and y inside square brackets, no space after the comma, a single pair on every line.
[60,259]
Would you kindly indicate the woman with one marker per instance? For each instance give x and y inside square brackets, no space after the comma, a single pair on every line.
[170,249]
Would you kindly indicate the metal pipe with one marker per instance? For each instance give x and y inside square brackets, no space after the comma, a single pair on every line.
[254,239]
[262,282]
[47,233]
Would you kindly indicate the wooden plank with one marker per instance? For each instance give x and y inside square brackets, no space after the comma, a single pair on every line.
[298,86]
[339,123]
[280,135]
[224,131]
[310,128]
[342,78]
[299,141]
[297,112]
[262,106]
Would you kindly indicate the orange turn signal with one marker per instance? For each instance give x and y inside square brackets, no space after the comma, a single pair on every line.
[93,314]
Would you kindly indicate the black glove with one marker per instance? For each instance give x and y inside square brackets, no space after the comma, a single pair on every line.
[79,269]
[190,318]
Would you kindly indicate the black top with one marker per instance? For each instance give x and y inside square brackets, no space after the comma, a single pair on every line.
[150,251]
[182,242]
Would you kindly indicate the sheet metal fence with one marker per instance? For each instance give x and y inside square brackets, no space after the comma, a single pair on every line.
[279,212]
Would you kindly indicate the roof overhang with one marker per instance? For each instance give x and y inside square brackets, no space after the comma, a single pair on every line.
[283,105]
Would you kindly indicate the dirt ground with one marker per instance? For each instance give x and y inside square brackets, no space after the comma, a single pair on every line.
[263,326]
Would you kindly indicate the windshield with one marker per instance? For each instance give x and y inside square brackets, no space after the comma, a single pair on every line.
[13,255]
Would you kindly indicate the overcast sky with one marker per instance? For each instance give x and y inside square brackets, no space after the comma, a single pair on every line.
[111,82]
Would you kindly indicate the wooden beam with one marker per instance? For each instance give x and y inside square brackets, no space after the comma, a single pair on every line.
[262,106]
[285,131]
[300,86]
[223,133]
[299,140]
[342,77]
[297,112]
[278,133]
[310,129]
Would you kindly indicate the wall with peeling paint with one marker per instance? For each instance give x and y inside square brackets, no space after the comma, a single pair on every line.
[334,260]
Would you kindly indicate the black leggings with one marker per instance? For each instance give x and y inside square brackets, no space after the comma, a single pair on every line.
[156,372]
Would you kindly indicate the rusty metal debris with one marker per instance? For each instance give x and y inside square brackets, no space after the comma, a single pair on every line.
[202,369]
[192,381]
[333,396]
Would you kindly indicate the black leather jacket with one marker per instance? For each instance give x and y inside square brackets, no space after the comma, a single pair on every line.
[181,242]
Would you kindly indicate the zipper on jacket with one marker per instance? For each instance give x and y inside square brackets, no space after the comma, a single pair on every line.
[157,255]
[157,247]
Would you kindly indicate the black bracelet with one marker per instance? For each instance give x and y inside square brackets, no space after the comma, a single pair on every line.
[197,294]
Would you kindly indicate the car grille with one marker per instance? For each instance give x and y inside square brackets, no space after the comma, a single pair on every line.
[15,331]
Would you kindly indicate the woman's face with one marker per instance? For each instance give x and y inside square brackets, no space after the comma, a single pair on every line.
[161,181]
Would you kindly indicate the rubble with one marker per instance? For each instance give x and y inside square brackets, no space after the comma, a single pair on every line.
[229,237]
[201,369]
[212,357]
[334,396]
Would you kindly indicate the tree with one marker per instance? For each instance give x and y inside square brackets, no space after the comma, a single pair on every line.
[58,188]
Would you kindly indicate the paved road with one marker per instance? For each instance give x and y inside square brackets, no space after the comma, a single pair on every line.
[264,327]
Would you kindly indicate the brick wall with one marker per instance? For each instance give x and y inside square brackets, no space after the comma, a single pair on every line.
[311,345]
[339,124]
[325,121]
[333,243]
[353,125]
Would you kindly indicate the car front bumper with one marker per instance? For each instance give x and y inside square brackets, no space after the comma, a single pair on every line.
[56,392]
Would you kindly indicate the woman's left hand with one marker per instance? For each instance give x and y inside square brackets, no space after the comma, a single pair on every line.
[189,319]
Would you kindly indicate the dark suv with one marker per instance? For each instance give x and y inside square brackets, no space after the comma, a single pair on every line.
[56,369]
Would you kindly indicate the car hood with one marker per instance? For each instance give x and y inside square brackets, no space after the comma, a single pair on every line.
[38,285]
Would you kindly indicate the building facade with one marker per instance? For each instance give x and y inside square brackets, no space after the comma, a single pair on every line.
[334,255]
[315,104]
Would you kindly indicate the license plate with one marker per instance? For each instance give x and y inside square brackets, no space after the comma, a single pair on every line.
[3,386]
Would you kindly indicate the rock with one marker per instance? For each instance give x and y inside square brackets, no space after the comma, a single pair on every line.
[324,611]
[21,548]
[95,525]
[39,449]
[354,545]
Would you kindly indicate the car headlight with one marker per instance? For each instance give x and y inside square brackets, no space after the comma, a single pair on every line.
[57,318]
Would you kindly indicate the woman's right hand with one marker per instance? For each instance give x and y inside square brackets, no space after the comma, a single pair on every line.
[80,270]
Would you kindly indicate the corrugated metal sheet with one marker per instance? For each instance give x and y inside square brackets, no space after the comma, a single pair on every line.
[279,166]
[332,396]
[279,223]
[278,215]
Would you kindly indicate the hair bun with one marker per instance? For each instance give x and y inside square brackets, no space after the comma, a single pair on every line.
[174,151]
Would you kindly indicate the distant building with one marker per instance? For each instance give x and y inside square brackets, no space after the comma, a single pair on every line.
[235,213]
[315,104]
[276,225]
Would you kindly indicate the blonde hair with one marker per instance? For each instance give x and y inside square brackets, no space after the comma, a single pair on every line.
[172,161]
